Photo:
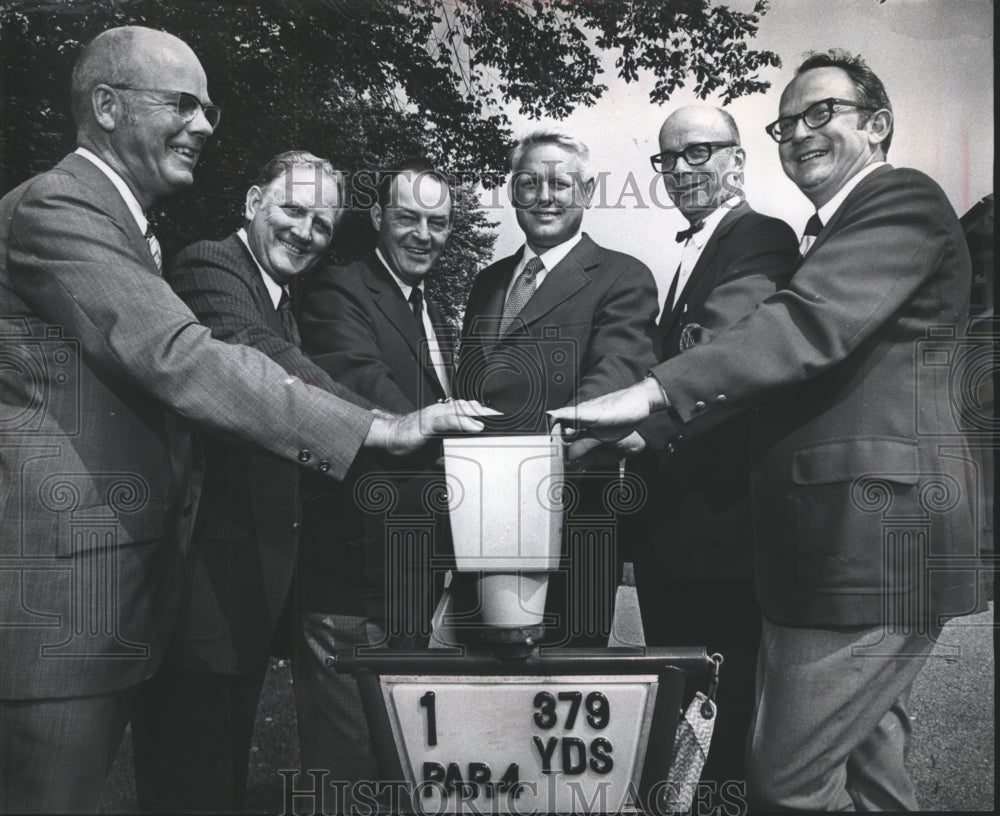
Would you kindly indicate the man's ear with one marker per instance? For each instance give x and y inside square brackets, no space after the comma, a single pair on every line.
[107,107]
[879,126]
[254,196]
[739,159]
[376,216]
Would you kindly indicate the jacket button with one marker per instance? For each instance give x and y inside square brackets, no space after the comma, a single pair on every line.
[699,406]
[324,466]
[671,448]
[296,526]
[304,455]
[721,398]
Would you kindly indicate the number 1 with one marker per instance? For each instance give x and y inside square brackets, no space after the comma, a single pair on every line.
[427,701]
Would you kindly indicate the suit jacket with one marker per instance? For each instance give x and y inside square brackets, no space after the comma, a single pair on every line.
[237,576]
[862,489]
[109,373]
[357,327]
[700,519]
[586,331]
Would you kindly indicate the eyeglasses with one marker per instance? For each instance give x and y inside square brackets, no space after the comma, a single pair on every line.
[187,104]
[694,155]
[815,116]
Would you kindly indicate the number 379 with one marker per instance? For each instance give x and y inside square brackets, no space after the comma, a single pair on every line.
[547,716]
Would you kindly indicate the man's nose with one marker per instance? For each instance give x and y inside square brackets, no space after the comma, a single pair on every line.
[200,126]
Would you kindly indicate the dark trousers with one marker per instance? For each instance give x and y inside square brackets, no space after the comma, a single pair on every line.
[191,734]
[55,754]
[722,616]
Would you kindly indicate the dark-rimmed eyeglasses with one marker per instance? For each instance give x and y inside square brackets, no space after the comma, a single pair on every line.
[815,116]
[187,105]
[694,155]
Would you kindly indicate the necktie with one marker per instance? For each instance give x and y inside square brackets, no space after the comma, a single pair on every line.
[287,318]
[154,248]
[417,305]
[521,292]
[683,235]
[813,227]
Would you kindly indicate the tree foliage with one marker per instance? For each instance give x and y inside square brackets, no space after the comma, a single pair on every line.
[369,82]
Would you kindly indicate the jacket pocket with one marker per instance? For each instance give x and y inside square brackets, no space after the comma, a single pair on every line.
[850,498]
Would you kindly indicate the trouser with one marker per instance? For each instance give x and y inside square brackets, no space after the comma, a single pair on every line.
[191,735]
[830,728]
[333,731]
[55,754]
[722,616]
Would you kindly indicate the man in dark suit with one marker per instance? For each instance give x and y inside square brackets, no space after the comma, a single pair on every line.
[109,373]
[193,725]
[366,579]
[864,535]
[560,320]
[694,576]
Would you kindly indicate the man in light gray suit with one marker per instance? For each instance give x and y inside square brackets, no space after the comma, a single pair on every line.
[106,373]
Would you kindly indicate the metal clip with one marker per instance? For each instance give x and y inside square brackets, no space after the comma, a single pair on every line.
[713,686]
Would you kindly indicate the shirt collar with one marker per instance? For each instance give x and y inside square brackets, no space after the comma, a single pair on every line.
[711,222]
[826,212]
[274,289]
[123,189]
[404,287]
[553,255]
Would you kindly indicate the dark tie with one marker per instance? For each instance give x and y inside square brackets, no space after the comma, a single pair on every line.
[813,228]
[154,248]
[287,318]
[683,235]
[417,305]
[521,292]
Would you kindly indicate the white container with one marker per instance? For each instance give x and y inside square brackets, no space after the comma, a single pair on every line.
[506,509]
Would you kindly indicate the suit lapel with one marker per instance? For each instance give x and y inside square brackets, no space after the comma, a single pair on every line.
[705,261]
[389,300]
[238,249]
[91,175]
[561,283]
[846,206]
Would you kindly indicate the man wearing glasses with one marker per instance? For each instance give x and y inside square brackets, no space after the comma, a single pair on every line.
[696,551]
[847,443]
[105,374]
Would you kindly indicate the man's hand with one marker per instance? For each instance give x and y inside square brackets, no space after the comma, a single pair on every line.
[399,435]
[621,410]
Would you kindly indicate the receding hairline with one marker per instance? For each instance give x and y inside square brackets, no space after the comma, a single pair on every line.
[120,54]
[719,115]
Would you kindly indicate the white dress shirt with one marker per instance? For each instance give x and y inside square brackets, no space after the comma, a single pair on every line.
[549,258]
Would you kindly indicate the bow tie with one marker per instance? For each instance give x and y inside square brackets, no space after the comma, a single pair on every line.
[683,235]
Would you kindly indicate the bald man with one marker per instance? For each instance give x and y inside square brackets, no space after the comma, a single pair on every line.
[108,372]
[697,554]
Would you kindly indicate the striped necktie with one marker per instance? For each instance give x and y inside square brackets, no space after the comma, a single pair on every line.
[154,248]
[813,228]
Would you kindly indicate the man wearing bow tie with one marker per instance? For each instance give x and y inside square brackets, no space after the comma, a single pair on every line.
[562,319]
[697,552]
[372,326]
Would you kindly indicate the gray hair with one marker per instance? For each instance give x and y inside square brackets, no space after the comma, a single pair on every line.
[553,136]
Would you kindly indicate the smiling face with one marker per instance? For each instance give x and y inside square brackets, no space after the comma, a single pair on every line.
[290,221]
[821,160]
[414,225]
[697,191]
[550,193]
[156,149]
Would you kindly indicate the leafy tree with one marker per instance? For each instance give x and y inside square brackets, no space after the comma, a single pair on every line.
[369,82]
